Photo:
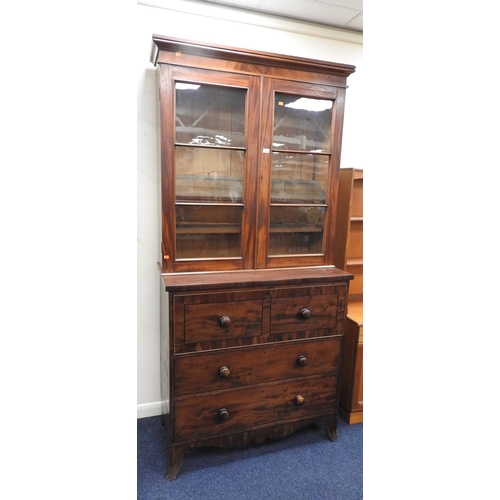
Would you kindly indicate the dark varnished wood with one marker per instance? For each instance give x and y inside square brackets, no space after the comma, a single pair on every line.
[288,313]
[262,75]
[204,322]
[265,61]
[200,372]
[324,254]
[205,281]
[254,340]
[270,314]
[174,461]
[331,426]
[198,417]
[168,75]
[229,393]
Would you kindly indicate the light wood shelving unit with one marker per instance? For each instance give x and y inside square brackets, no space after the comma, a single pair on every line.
[348,255]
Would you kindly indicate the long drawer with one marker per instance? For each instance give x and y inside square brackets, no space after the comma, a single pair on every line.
[211,371]
[237,410]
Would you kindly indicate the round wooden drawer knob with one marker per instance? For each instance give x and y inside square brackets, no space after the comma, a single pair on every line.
[302,361]
[299,400]
[224,321]
[305,313]
[223,414]
[224,372]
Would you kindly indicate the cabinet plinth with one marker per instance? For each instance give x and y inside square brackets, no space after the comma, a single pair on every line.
[253,309]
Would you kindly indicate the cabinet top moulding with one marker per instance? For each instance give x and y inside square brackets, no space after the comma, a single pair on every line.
[164,49]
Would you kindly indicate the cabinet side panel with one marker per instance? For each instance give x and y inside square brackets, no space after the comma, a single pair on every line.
[331,220]
[158,166]
[167,160]
[343,217]
[164,349]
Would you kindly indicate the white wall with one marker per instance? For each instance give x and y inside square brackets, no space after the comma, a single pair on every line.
[212,24]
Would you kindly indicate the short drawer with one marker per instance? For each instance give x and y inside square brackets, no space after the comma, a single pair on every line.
[308,308]
[238,367]
[244,409]
[216,317]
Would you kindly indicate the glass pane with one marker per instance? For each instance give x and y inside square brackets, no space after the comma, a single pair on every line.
[299,178]
[206,114]
[208,231]
[302,123]
[208,174]
[296,230]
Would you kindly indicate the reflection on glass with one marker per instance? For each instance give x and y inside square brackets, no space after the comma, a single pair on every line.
[211,231]
[302,123]
[209,115]
[299,178]
[209,174]
[296,230]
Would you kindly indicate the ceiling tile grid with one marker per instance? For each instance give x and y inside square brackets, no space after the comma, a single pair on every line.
[346,14]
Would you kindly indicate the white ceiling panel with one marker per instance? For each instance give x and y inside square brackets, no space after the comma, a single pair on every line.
[318,12]
[356,23]
[246,4]
[346,14]
[351,4]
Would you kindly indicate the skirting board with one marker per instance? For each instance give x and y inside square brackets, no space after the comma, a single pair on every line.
[152,409]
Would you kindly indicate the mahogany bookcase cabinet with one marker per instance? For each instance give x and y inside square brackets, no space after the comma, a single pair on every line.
[253,309]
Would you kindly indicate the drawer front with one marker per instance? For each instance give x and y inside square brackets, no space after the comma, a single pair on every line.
[232,411]
[204,372]
[309,308]
[222,320]
[209,320]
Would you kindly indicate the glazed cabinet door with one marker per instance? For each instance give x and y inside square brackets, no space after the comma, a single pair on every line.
[209,170]
[300,156]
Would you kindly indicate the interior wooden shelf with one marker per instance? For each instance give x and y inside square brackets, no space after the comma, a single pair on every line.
[215,229]
[284,192]
[296,229]
[185,229]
